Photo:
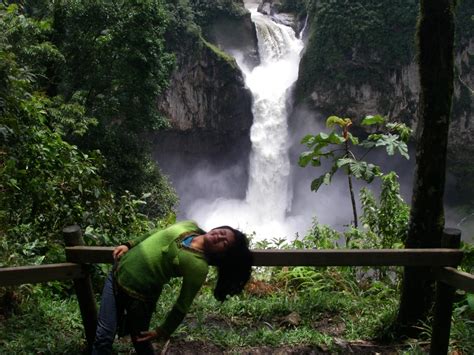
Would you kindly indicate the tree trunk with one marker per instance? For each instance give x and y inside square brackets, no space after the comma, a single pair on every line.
[435,35]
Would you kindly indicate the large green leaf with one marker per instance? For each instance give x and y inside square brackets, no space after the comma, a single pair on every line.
[357,168]
[305,158]
[374,137]
[344,161]
[371,120]
[470,300]
[371,172]
[403,149]
[361,170]
[392,142]
[322,137]
[335,120]
[316,183]
[323,179]
[354,140]
[335,138]
[316,162]
[402,129]
[308,140]
[367,144]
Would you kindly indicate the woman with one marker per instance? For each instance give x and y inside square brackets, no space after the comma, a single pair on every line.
[146,263]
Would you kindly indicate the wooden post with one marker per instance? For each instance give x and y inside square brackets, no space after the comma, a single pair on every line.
[83,286]
[443,308]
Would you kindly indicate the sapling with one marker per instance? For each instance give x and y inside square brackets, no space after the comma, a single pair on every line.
[337,146]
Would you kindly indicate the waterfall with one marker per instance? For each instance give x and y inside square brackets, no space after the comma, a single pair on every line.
[279,50]
[267,198]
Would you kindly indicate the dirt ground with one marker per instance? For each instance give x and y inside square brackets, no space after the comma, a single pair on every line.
[361,347]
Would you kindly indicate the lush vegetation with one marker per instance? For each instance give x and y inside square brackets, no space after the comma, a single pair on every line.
[356,43]
[72,121]
[298,307]
[75,107]
[340,148]
[348,42]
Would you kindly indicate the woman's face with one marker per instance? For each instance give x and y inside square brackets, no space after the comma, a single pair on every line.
[218,240]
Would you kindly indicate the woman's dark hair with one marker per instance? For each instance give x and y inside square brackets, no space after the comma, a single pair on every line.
[234,266]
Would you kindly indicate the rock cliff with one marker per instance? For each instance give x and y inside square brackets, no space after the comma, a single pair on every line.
[398,98]
[208,105]
[368,67]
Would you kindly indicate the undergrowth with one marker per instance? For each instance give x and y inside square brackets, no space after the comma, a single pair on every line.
[272,312]
[281,306]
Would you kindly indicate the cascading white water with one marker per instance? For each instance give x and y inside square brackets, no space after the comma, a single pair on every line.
[279,51]
[263,210]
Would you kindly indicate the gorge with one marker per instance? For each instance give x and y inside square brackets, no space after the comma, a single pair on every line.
[207,152]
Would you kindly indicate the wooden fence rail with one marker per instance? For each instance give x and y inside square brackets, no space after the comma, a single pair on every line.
[313,257]
[441,263]
[455,278]
[20,275]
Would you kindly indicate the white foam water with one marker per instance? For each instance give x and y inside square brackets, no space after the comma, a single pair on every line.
[268,195]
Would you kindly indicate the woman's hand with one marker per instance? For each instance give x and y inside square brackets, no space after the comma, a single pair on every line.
[151,335]
[146,336]
[119,251]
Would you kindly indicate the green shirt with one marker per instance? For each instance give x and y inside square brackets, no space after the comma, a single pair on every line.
[157,257]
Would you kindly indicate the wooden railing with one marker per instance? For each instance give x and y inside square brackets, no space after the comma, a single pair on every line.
[441,265]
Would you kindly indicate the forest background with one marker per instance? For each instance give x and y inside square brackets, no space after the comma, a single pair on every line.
[79,82]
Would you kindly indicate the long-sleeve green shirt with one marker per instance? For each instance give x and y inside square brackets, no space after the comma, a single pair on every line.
[154,259]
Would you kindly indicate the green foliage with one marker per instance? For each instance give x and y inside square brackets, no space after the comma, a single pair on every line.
[334,302]
[44,324]
[118,67]
[46,181]
[462,331]
[357,51]
[336,146]
[322,143]
[206,11]
[220,53]
[182,28]
[386,221]
[292,6]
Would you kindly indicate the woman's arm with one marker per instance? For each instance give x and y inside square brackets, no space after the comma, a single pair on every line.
[134,241]
[120,250]
[193,278]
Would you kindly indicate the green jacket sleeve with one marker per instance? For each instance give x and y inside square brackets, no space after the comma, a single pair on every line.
[193,278]
[134,241]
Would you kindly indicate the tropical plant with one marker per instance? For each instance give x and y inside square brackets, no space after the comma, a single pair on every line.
[392,136]
[386,221]
[45,181]
[119,66]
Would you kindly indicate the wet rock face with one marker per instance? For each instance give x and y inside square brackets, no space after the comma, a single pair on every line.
[361,100]
[209,110]
[272,8]
[237,37]
[207,98]
[399,98]
[395,93]
[266,7]
[207,92]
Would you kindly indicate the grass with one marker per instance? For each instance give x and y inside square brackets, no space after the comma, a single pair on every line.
[48,322]
[44,324]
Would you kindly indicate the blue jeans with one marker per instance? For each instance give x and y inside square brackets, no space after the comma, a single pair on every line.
[111,308]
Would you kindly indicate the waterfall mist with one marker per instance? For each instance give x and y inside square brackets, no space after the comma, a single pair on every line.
[264,209]
[277,201]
